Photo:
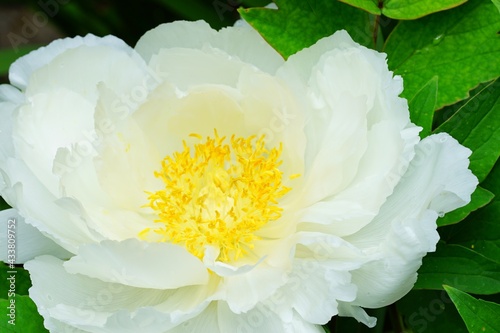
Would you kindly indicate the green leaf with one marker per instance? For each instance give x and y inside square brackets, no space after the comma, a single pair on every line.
[404,9]
[492,182]
[478,315]
[8,56]
[477,125]
[460,267]
[3,204]
[497,3]
[301,23]
[480,198]
[412,9]
[430,311]
[371,6]
[460,46]
[20,276]
[480,232]
[25,316]
[422,106]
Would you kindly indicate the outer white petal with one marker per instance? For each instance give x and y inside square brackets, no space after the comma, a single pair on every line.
[92,305]
[10,99]
[59,110]
[21,69]
[354,115]
[436,182]
[42,209]
[356,312]
[319,280]
[205,322]
[199,35]
[244,291]
[259,319]
[139,264]
[29,241]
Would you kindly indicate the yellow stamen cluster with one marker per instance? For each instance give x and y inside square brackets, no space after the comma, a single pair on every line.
[218,194]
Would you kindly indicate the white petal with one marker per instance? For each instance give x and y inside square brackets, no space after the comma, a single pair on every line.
[96,306]
[256,320]
[314,289]
[29,241]
[137,263]
[242,43]
[359,203]
[42,209]
[10,99]
[353,101]
[48,122]
[21,69]
[437,181]
[348,310]
[244,291]
[60,110]
[205,322]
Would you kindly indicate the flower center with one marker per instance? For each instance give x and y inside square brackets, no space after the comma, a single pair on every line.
[218,194]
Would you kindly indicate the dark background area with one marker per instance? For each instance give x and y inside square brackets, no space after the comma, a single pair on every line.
[29,24]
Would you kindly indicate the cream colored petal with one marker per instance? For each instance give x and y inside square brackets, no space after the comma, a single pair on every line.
[256,320]
[48,122]
[28,241]
[136,263]
[386,158]
[43,210]
[59,110]
[356,312]
[436,182]
[21,70]
[92,305]
[10,99]
[244,291]
[207,321]
[240,43]
[355,116]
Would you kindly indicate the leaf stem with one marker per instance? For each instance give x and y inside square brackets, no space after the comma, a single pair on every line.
[396,320]
[375,30]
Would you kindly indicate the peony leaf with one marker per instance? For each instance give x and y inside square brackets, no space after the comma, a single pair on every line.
[404,9]
[3,204]
[477,125]
[26,317]
[21,276]
[497,3]
[460,46]
[422,106]
[478,232]
[478,315]
[300,23]
[430,311]
[480,198]
[460,267]
[481,232]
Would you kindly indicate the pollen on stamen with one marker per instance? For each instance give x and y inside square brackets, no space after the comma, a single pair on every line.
[196,135]
[218,194]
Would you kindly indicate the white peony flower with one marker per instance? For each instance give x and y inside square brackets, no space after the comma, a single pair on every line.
[200,183]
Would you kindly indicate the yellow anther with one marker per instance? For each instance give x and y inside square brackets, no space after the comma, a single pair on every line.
[218,194]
